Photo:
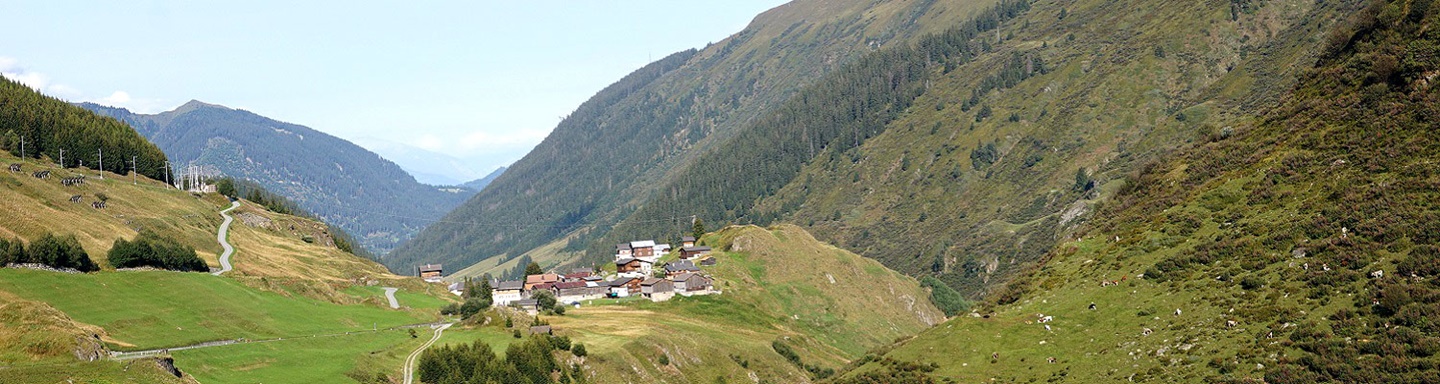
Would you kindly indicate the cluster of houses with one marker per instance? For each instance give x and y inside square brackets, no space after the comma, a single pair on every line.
[635,277]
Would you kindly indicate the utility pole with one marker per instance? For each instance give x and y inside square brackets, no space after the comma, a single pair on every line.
[102,162]
[133,171]
[167,173]
[22,147]
[62,158]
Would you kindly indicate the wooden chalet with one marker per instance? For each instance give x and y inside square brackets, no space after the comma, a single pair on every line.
[694,251]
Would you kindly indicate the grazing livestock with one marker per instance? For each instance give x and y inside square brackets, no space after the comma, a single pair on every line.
[98,204]
[15,167]
[75,199]
[72,181]
[41,174]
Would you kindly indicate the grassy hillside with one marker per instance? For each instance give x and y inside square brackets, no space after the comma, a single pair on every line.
[979,177]
[620,147]
[1298,250]
[289,280]
[776,286]
[42,344]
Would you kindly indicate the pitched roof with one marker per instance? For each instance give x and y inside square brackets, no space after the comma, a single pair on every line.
[548,277]
[526,302]
[689,277]
[430,268]
[514,285]
[622,246]
[570,285]
[695,248]
[642,244]
[625,260]
[688,238]
[651,281]
[621,281]
[682,265]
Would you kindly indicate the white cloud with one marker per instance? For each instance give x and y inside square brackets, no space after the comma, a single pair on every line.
[11,69]
[119,97]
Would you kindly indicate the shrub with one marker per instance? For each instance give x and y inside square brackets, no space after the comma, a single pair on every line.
[58,252]
[151,250]
[944,297]
[579,350]
[1251,283]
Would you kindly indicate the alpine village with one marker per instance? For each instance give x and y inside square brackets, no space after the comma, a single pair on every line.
[812,191]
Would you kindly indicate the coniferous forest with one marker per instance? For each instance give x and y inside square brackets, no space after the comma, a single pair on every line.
[45,126]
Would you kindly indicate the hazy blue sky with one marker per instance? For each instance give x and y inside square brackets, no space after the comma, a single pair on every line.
[473,79]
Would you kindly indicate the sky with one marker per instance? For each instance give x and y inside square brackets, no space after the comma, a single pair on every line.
[482,81]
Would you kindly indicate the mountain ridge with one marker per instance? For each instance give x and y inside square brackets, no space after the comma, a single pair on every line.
[342,183]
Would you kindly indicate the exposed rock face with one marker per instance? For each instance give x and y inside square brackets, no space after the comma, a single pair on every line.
[168,364]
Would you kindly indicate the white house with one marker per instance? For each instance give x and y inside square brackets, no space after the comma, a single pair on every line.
[507,292]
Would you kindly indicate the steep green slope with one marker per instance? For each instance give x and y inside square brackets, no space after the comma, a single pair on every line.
[616,150]
[978,176]
[39,125]
[53,324]
[778,285]
[339,181]
[1300,249]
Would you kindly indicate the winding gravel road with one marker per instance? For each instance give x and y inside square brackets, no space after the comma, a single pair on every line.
[409,370]
[390,295]
[224,230]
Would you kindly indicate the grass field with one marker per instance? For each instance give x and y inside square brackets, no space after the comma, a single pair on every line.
[354,357]
[144,310]
[143,371]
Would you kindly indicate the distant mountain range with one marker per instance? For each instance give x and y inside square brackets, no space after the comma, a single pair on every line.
[479,184]
[346,185]
[430,167]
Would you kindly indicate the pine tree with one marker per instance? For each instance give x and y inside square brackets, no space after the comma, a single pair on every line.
[698,229]
[533,269]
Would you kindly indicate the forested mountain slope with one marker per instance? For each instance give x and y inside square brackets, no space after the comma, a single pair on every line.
[1299,249]
[616,150]
[33,125]
[958,156]
[339,181]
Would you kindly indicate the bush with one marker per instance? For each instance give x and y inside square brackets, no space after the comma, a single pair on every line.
[944,297]
[579,350]
[56,252]
[151,250]
[1251,283]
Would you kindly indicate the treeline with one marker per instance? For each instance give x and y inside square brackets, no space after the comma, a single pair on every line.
[151,250]
[841,111]
[256,193]
[531,361]
[47,125]
[54,251]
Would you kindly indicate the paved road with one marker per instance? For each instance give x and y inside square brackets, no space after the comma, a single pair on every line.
[224,230]
[409,370]
[390,295]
